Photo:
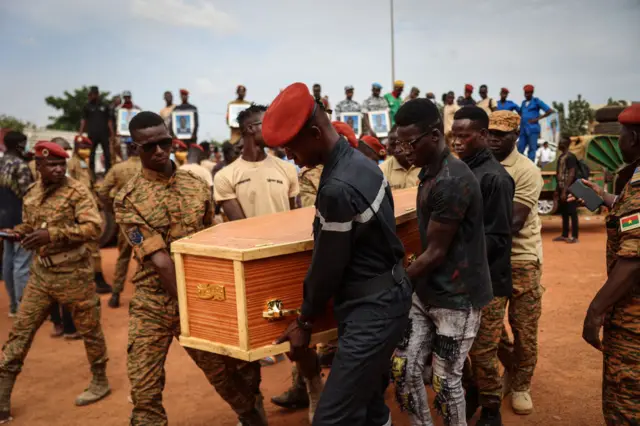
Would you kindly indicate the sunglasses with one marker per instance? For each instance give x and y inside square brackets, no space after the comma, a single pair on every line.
[164,145]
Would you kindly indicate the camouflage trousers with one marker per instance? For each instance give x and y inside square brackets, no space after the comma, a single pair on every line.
[621,372]
[74,290]
[485,366]
[153,323]
[94,249]
[122,264]
[525,307]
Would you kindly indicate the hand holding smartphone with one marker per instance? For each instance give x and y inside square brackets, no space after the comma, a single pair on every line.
[591,199]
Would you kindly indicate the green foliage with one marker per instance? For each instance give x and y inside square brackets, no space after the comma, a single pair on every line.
[71,105]
[575,121]
[9,122]
[611,102]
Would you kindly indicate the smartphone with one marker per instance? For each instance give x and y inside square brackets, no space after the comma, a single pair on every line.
[6,235]
[592,200]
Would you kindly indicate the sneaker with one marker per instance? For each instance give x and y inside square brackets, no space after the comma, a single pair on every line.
[490,417]
[114,302]
[58,330]
[13,314]
[560,239]
[521,402]
[72,336]
[572,240]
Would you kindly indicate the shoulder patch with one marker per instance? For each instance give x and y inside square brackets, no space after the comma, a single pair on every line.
[127,188]
[628,223]
[135,236]
[635,179]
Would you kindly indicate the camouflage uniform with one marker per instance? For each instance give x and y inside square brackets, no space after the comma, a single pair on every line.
[114,181]
[79,170]
[153,211]
[71,216]
[621,343]
[309,183]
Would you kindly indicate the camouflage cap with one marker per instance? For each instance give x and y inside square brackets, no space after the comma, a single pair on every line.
[504,121]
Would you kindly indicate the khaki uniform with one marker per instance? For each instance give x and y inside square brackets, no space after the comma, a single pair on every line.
[79,170]
[309,183]
[153,211]
[114,181]
[61,272]
[261,187]
[525,304]
[397,176]
[621,373]
[488,105]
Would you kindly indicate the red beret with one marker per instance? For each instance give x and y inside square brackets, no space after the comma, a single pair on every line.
[504,89]
[177,143]
[468,87]
[195,145]
[375,144]
[83,139]
[287,114]
[630,115]
[528,88]
[345,130]
[184,92]
[46,149]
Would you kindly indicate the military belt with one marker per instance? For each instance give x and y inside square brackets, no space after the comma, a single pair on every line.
[64,257]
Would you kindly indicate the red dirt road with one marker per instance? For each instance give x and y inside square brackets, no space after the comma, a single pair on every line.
[566,386]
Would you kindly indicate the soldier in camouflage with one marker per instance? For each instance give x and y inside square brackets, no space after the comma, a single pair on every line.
[348,104]
[181,205]
[59,218]
[78,169]
[617,304]
[114,181]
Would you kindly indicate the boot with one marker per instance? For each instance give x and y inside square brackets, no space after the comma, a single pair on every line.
[521,402]
[471,398]
[101,285]
[259,408]
[252,419]
[6,387]
[98,389]
[296,396]
[490,417]
[58,330]
[114,302]
[314,390]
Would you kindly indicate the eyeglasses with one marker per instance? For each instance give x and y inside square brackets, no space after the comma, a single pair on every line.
[412,142]
[164,144]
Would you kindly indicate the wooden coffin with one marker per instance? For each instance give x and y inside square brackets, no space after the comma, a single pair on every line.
[240,283]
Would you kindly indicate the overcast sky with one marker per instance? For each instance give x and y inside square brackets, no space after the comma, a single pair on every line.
[563,47]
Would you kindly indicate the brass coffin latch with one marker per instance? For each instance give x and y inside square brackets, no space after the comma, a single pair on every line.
[275,310]
[210,291]
[411,258]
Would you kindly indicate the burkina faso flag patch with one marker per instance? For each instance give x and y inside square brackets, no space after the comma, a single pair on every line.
[630,222]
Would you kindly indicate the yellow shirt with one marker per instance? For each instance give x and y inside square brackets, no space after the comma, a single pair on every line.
[487,104]
[448,112]
[208,164]
[397,176]
[527,245]
[261,187]
[199,171]
[165,113]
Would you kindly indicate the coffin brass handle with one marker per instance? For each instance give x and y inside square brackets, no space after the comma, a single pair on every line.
[411,258]
[275,310]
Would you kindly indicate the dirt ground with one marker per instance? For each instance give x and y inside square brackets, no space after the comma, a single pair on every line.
[566,385]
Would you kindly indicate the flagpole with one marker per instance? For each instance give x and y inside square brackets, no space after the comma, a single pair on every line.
[393,50]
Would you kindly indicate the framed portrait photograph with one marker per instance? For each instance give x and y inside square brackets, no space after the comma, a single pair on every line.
[123,117]
[233,111]
[380,123]
[182,123]
[353,119]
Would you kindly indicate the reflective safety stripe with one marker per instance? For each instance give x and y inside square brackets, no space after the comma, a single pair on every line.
[334,226]
[369,213]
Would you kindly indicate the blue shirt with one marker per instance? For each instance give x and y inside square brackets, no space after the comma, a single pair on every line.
[508,106]
[528,110]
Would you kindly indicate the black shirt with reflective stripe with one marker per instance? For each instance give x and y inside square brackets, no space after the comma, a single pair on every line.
[450,193]
[97,117]
[354,231]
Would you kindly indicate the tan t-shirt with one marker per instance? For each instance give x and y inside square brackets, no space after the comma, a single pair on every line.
[199,171]
[487,104]
[448,112]
[397,176]
[527,245]
[262,187]
[208,164]
[165,113]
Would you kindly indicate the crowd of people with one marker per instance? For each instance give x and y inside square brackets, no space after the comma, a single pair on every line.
[439,321]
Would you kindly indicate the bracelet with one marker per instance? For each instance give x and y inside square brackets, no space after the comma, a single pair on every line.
[307,326]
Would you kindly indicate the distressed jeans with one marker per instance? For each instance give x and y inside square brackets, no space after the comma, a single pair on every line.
[16,262]
[447,334]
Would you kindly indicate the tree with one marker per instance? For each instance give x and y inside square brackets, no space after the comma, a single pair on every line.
[71,106]
[9,122]
[621,102]
[576,122]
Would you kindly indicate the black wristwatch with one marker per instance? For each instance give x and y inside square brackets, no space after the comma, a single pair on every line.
[307,326]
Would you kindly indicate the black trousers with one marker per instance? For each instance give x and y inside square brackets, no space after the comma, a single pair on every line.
[103,141]
[354,392]
[61,315]
[569,211]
